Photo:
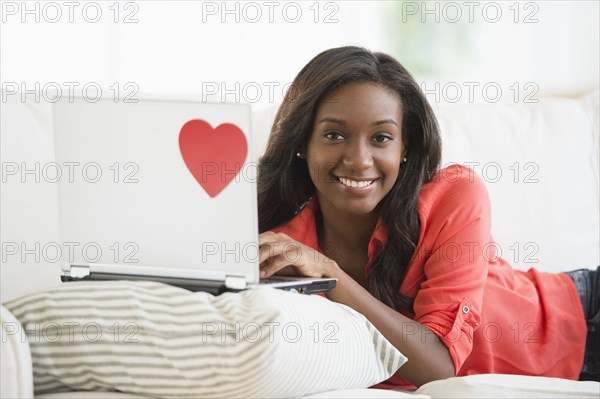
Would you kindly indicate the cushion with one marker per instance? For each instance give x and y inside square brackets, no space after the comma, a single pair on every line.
[509,386]
[15,360]
[341,394]
[154,339]
[366,393]
[521,151]
[90,395]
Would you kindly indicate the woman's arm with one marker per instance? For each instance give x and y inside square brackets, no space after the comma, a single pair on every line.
[428,357]
[449,269]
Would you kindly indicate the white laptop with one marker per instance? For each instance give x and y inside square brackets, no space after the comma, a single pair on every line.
[161,190]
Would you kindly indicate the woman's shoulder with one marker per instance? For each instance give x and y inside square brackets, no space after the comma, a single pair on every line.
[302,227]
[452,187]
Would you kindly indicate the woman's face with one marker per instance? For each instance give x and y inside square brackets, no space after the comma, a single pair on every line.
[355,149]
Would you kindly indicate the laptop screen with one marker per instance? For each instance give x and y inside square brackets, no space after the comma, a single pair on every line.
[157,184]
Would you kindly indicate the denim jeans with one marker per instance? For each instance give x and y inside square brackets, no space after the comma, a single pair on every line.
[588,286]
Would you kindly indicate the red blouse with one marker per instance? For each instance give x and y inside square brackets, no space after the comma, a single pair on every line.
[492,318]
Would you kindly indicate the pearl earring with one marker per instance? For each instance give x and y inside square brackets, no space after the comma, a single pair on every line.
[299,155]
[404,159]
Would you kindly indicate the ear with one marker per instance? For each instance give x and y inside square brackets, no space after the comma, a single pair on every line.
[302,152]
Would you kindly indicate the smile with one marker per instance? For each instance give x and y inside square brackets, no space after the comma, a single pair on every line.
[355,183]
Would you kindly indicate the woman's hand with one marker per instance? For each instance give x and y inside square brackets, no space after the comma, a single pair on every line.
[280,254]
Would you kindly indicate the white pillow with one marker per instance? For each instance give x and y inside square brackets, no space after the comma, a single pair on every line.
[158,340]
[15,360]
[509,386]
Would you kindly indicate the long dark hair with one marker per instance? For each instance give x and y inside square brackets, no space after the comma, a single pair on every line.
[284,183]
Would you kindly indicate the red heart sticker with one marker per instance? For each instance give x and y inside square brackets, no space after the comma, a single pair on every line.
[214,156]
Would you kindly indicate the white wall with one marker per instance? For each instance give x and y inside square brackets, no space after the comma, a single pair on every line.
[172,50]
[176,47]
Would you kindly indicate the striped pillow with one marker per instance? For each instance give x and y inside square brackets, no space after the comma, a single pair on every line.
[158,340]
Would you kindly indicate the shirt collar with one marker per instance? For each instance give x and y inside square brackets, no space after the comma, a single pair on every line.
[304,229]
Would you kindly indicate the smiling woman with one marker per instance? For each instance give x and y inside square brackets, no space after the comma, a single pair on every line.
[331,83]
[351,178]
[356,144]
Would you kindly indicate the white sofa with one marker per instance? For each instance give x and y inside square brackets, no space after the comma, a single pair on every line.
[540,162]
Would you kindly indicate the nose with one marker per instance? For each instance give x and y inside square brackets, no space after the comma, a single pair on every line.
[358,156]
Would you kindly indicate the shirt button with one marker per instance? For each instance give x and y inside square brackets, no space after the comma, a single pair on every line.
[465,309]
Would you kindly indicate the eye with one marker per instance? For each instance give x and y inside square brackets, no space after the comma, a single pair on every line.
[333,135]
[382,138]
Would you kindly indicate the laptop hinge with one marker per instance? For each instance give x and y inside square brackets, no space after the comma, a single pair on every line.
[235,282]
[78,271]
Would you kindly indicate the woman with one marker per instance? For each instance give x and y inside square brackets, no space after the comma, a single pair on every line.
[350,187]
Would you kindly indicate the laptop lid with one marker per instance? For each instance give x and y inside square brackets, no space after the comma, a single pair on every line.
[158,184]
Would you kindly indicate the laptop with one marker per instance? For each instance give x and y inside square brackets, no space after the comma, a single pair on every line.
[161,190]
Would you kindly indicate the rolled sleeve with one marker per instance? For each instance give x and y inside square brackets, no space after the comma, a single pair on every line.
[450,298]
[457,332]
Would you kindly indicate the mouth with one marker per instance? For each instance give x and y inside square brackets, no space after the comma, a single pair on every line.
[355,183]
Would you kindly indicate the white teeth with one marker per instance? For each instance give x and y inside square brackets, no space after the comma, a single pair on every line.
[354,183]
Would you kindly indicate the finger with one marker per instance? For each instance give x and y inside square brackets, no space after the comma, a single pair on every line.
[275,246]
[267,236]
[268,250]
[273,266]
[271,236]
